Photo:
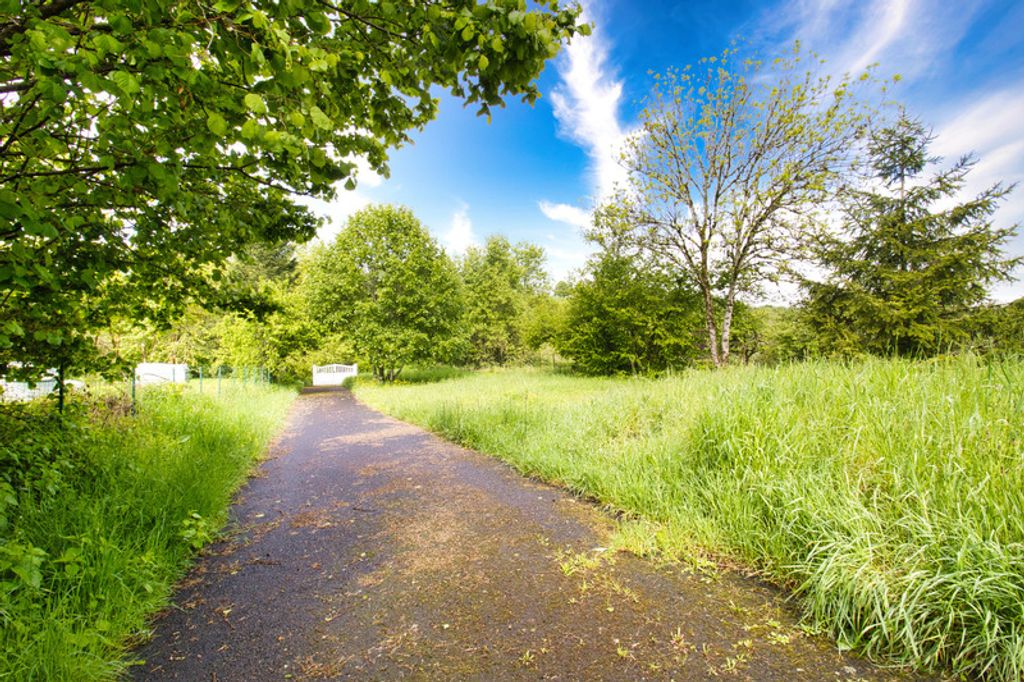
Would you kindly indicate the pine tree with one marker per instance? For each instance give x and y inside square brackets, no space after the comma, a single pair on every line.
[907,271]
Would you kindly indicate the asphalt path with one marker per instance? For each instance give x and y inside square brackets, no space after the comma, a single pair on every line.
[365,548]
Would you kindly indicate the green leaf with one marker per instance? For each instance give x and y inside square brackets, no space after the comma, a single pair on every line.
[8,206]
[125,81]
[250,129]
[320,119]
[216,123]
[255,103]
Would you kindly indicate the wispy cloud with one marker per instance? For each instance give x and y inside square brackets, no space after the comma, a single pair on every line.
[460,235]
[889,21]
[993,129]
[920,40]
[336,213]
[566,213]
[586,103]
[904,36]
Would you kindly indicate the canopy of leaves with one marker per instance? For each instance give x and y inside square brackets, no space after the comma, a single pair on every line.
[144,141]
[906,273]
[1000,328]
[500,281]
[628,318]
[733,154]
[388,286]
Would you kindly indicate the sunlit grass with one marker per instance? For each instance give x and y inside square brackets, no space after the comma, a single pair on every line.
[131,499]
[888,495]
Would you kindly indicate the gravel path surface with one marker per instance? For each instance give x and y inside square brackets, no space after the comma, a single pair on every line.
[366,548]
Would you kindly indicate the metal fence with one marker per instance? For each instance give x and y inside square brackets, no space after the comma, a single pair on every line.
[217,381]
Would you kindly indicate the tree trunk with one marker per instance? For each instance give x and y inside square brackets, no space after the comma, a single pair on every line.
[709,322]
[730,305]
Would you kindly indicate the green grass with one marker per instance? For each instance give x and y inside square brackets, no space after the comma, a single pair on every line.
[100,513]
[888,495]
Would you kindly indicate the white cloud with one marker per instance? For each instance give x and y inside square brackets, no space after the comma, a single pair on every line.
[993,129]
[567,251]
[918,39]
[365,175]
[336,212]
[566,257]
[460,235]
[890,18]
[586,104]
[903,36]
[992,123]
[566,213]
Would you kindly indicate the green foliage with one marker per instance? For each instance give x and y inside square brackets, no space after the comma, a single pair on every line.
[386,284]
[905,275]
[999,328]
[887,493]
[145,142]
[282,342]
[500,281]
[430,375]
[770,335]
[729,163]
[625,317]
[543,322]
[256,317]
[100,512]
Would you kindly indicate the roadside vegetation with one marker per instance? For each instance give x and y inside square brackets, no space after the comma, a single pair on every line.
[100,512]
[151,171]
[884,493]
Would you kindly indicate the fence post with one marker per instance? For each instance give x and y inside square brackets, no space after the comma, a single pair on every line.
[219,368]
[133,392]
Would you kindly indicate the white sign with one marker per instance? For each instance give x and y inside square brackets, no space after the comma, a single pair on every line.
[161,373]
[333,375]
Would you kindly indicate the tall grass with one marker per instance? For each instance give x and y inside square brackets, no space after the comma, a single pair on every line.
[888,495]
[102,511]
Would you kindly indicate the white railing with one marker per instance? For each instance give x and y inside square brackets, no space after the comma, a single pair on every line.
[333,375]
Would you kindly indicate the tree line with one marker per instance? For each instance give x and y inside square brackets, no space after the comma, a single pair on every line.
[743,174]
[143,143]
[151,154]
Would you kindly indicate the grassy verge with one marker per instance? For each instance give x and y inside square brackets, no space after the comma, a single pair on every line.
[100,512]
[888,495]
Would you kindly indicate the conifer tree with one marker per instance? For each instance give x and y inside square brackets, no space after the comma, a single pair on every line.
[907,269]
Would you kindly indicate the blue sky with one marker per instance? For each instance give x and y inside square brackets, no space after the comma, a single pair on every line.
[533,173]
